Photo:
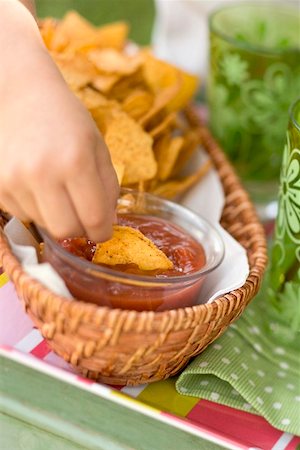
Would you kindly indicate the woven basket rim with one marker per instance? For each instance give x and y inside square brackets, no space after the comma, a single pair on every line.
[231,183]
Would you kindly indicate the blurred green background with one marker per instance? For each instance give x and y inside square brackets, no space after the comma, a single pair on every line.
[138,13]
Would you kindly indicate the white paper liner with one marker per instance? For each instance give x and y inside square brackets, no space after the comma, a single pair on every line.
[206,199]
[25,248]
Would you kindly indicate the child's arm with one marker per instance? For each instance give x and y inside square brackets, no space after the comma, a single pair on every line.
[54,166]
[30,5]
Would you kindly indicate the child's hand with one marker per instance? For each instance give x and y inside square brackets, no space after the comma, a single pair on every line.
[55,168]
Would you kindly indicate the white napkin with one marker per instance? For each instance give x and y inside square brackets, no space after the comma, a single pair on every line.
[207,199]
[26,249]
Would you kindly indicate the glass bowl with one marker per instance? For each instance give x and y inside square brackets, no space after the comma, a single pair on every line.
[109,287]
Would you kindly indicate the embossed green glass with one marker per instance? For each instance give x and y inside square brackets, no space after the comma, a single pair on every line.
[283,279]
[254,77]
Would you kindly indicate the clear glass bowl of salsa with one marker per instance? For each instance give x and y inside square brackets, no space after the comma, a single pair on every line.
[193,245]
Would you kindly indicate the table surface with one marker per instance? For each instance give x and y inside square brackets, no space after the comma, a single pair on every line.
[29,363]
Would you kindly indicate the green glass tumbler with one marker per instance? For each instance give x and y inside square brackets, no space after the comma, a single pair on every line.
[254,77]
[283,278]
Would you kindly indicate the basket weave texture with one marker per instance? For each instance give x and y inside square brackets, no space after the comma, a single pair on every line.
[128,347]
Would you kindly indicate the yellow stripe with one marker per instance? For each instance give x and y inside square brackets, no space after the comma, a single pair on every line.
[3,279]
[136,402]
[163,395]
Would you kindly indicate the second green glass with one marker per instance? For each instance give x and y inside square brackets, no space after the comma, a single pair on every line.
[254,77]
[283,277]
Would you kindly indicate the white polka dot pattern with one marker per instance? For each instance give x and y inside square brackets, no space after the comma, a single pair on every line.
[217,346]
[268,389]
[279,351]
[261,373]
[281,374]
[203,364]
[225,361]
[214,396]
[259,400]
[284,365]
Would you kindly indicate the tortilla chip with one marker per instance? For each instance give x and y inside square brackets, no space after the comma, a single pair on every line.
[160,75]
[75,68]
[105,82]
[90,98]
[188,86]
[164,124]
[190,145]
[119,168]
[113,35]
[130,144]
[127,84]
[161,101]
[111,61]
[130,246]
[171,189]
[47,30]
[76,33]
[72,28]
[167,152]
[138,103]
[105,113]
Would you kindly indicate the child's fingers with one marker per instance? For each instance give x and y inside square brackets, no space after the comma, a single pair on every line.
[28,204]
[9,204]
[108,176]
[58,212]
[91,202]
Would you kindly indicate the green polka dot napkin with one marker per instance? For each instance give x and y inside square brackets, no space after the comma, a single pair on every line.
[247,369]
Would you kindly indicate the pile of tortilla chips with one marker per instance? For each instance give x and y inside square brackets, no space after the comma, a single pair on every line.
[135,99]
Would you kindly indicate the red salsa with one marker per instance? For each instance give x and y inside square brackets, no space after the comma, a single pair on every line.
[186,254]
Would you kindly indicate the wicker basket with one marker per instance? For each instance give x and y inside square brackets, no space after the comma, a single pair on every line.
[129,347]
